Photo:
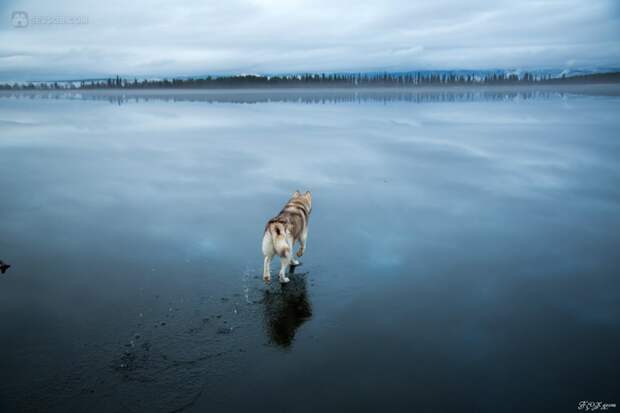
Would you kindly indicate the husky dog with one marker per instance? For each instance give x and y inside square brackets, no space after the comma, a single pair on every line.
[283,231]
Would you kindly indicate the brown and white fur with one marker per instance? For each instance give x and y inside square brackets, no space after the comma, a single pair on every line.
[281,233]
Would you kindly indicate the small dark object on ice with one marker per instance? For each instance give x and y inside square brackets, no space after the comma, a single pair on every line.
[4,266]
[224,330]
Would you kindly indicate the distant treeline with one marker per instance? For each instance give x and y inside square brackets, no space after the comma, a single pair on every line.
[345,80]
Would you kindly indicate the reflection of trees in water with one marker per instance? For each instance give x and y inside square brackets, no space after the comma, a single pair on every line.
[286,310]
[308,96]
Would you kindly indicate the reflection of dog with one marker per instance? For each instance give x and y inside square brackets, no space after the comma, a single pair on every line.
[281,233]
[19,19]
[286,310]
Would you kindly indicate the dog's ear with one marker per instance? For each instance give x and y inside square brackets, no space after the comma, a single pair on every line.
[308,195]
[296,194]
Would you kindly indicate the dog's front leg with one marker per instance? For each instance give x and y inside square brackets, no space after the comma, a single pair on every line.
[293,261]
[302,243]
[266,270]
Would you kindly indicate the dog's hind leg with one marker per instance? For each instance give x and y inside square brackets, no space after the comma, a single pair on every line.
[284,263]
[266,271]
[268,252]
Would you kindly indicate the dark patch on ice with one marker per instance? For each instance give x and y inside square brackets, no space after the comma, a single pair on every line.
[4,267]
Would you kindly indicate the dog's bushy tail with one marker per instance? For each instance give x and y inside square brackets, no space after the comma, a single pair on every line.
[278,237]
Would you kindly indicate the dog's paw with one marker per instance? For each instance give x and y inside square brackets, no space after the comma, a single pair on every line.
[267,278]
[284,279]
[299,253]
[295,263]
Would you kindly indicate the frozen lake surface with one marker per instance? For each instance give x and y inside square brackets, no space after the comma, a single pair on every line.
[462,252]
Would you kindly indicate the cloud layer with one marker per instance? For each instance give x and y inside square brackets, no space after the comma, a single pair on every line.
[150,38]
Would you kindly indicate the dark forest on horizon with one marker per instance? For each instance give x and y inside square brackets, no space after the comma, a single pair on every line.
[346,80]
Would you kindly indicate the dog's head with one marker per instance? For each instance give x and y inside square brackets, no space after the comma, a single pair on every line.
[305,198]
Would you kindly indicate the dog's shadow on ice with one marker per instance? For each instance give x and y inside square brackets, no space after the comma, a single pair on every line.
[286,309]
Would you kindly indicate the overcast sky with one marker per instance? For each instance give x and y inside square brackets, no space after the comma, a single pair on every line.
[163,38]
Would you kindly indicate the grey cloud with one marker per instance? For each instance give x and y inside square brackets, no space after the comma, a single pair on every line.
[141,38]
